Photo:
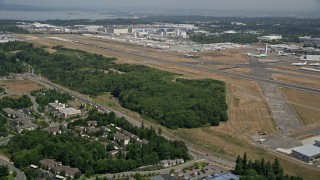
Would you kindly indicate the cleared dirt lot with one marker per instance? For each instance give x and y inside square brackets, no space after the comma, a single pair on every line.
[307,105]
[21,86]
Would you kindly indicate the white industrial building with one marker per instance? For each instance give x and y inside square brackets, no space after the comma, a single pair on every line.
[270,38]
[310,57]
[307,152]
[119,31]
[60,110]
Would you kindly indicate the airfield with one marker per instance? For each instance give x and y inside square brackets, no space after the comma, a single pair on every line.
[264,94]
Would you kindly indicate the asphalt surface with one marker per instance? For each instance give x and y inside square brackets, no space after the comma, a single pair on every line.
[20,174]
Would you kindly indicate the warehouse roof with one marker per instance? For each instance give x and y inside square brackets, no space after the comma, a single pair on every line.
[308,150]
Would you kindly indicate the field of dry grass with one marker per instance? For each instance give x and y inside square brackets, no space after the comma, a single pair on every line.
[297,80]
[226,56]
[307,105]
[21,86]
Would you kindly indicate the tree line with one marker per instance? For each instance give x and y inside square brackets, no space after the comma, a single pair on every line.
[155,94]
[22,102]
[261,169]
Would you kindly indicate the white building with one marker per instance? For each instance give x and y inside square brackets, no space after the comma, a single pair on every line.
[119,31]
[310,58]
[61,110]
[270,38]
[307,152]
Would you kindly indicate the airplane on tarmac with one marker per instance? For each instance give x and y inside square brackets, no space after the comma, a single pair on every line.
[314,64]
[260,140]
[299,64]
[257,55]
[281,53]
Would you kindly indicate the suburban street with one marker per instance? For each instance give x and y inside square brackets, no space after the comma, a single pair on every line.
[20,174]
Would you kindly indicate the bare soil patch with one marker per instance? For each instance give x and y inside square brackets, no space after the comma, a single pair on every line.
[21,86]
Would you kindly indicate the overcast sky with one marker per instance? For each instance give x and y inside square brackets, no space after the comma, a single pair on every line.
[286,5]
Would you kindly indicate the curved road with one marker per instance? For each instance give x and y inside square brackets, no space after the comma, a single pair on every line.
[20,174]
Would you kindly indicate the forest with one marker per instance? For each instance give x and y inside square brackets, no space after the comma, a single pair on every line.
[3,127]
[8,62]
[21,102]
[172,101]
[91,156]
[261,169]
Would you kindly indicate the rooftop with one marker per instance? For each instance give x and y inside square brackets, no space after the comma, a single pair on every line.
[225,176]
[49,162]
[67,169]
[308,150]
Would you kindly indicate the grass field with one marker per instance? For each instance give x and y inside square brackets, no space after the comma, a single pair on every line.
[21,86]
[307,105]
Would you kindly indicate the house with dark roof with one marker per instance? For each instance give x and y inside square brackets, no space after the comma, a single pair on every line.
[121,137]
[66,171]
[49,163]
[22,123]
[92,123]
[54,130]
[113,153]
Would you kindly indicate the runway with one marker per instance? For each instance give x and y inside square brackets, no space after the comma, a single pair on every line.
[206,69]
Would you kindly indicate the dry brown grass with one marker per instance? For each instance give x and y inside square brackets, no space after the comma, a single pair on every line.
[226,56]
[241,70]
[297,80]
[307,105]
[21,86]
[294,72]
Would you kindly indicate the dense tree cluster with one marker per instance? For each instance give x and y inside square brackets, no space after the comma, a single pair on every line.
[91,156]
[21,102]
[46,96]
[261,169]
[3,127]
[8,62]
[159,95]
[4,171]
[2,90]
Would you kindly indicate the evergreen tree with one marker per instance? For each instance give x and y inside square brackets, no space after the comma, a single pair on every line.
[238,168]
[244,163]
[276,167]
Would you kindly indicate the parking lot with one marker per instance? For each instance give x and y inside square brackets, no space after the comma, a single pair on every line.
[205,172]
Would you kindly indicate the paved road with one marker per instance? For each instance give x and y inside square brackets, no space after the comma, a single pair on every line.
[20,174]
